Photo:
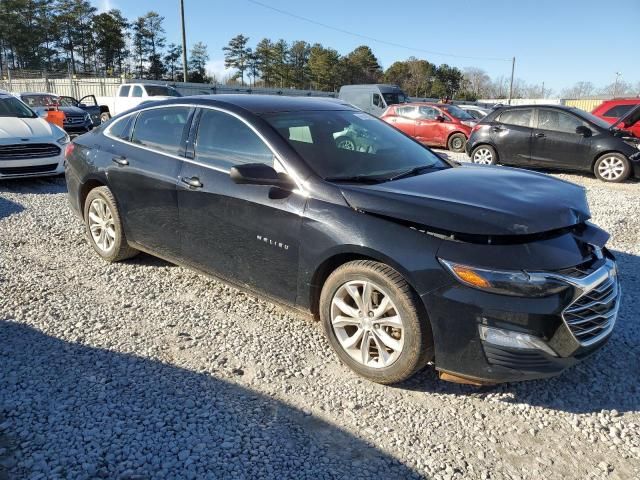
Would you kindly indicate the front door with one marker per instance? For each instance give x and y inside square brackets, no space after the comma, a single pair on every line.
[427,126]
[555,142]
[142,174]
[245,233]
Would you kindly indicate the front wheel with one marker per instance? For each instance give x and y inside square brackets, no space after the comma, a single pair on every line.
[456,142]
[375,322]
[484,155]
[612,167]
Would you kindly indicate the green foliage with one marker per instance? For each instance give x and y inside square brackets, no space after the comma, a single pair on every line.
[236,55]
[198,59]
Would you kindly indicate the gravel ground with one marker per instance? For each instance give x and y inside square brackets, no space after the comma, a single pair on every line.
[147,370]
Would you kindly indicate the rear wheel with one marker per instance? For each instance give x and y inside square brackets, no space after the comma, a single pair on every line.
[104,227]
[456,142]
[375,322]
[612,167]
[484,155]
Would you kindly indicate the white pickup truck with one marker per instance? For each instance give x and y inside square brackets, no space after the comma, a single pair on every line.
[130,95]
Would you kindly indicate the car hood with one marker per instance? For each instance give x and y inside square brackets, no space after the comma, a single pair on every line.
[15,129]
[475,200]
[628,120]
[72,111]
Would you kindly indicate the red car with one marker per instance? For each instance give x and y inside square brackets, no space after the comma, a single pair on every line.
[611,110]
[434,124]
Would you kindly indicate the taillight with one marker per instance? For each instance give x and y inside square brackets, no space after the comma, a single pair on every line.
[69,149]
[476,127]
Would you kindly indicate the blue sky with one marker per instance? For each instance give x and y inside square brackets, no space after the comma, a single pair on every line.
[557,42]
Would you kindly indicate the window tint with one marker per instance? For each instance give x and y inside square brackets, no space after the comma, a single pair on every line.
[122,128]
[225,141]
[124,91]
[618,111]
[521,118]
[377,100]
[137,91]
[428,113]
[161,128]
[558,121]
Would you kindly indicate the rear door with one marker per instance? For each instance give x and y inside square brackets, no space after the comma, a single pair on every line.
[555,142]
[142,175]
[511,134]
[248,234]
[405,119]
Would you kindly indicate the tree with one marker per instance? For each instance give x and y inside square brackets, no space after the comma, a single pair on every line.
[447,82]
[476,82]
[198,58]
[264,61]
[171,58]
[280,62]
[237,55]
[362,66]
[299,64]
[323,68]
[155,41]
[110,37]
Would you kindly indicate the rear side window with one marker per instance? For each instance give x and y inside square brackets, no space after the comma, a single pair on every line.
[224,141]
[618,111]
[428,113]
[137,91]
[558,121]
[408,112]
[122,128]
[161,129]
[124,91]
[520,118]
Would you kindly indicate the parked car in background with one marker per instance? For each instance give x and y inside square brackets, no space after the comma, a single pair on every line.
[88,103]
[475,111]
[29,145]
[557,137]
[130,95]
[434,124]
[612,110]
[372,98]
[495,274]
[76,120]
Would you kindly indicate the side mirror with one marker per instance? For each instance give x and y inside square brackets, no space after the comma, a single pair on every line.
[260,174]
[584,131]
[440,118]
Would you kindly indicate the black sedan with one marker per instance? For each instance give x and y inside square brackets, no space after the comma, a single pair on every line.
[557,137]
[404,257]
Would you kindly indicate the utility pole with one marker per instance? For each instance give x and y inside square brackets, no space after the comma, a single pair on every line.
[184,43]
[513,69]
[542,89]
[615,85]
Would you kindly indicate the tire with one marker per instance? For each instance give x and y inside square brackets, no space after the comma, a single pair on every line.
[484,155]
[105,117]
[612,167]
[346,143]
[110,243]
[402,329]
[457,142]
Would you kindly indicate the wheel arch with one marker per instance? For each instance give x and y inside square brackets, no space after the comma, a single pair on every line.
[487,144]
[602,154]
[86,187]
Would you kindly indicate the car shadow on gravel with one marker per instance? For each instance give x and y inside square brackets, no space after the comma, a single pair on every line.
[38,186]
[607,380]
[73,411]
[8,208]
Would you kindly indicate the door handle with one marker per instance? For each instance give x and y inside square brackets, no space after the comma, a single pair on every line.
[193,182]
[540,135]
[120,161]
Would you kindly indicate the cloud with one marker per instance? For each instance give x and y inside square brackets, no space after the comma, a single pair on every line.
[105,6]
[216,68]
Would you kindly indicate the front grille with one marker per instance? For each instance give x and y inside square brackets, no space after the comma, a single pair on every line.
[73,120]
[50,167]
[28,150]
[592,315]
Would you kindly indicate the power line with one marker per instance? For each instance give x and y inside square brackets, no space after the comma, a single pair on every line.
[373,39]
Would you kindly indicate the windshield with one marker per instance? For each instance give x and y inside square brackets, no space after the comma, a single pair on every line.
[12,107]
[40,100]
[457,112]
[591,118]
[161,91]
[344,144]
[395,98]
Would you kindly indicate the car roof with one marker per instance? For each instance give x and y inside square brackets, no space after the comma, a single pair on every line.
[259,104]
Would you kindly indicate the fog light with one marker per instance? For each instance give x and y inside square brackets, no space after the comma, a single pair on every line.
[511,339]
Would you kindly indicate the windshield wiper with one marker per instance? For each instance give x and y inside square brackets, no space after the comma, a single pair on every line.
[413,171]
[356,179]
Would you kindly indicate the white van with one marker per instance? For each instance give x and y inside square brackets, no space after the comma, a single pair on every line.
[373,98]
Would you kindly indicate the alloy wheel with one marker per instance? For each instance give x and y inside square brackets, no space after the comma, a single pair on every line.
[346,144]
[611,168]
[367,324]
[102,225]
[483,156]
[457,143]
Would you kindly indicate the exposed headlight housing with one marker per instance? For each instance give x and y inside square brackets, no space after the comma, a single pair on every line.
[516,283]
[513,339]
[64,139]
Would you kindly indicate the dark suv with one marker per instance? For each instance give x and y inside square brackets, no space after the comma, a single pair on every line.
[494,274]
[557,137]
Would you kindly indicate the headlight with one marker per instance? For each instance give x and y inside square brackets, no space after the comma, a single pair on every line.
[63,140]
[504,282]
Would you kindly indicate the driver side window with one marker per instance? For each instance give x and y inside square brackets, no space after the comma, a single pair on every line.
[224,141]
[428,113]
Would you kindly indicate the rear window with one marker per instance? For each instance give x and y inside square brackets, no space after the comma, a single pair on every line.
[520,118]
[124,91]
[618,111]
[161,129]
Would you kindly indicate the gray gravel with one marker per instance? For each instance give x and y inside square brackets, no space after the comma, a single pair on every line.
[147,370]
